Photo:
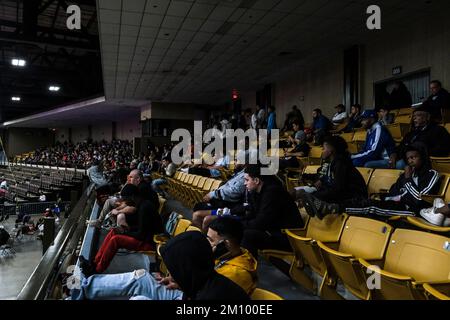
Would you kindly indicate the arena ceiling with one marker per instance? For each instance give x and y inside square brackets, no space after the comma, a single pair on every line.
[175,50]
[198,51]
[35,31]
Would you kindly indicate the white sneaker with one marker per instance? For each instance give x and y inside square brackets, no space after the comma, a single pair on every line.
[438,203]
[432,217]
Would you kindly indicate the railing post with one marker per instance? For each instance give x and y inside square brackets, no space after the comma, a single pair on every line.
[49,233]
[73,198]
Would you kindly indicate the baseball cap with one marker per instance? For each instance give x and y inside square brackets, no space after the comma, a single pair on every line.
[369,114]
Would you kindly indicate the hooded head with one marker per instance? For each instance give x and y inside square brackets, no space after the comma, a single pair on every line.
[189,259]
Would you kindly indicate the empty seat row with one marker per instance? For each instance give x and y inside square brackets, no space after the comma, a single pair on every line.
[370,258]
[190,189]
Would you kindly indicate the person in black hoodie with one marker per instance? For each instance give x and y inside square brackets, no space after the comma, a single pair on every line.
[137,238]
[269,209]
[435,137]
[189,259]
[405,195]
[339,185]
[438,101]
[400,97]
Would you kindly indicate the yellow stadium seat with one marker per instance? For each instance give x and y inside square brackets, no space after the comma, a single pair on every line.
[447,126]
[348,137]
[437,291]
[307,251]
[405,111]
[412,259]
[361,238]
[181,226]
[382,180]
[311,169]
[162,203]
[406,119]
[441,164]
[398,130]
[366,173]
[360,135]
[261,294]
[315,155]
[283,259]
[193,228]
[216,184]
[353,147]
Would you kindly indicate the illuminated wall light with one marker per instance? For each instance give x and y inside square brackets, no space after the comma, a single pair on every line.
[15,99]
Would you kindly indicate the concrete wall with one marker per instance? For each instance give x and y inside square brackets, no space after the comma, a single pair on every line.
[425,44]
[102,131]
[128,129]
[62,135]
[21,140]
[80,134]
[319,86]
[179,111]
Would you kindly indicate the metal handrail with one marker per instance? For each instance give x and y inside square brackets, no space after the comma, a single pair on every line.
[37,285]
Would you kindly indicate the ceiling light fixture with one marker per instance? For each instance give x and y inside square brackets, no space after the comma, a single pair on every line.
[16,99]
[54,88]
[18,62]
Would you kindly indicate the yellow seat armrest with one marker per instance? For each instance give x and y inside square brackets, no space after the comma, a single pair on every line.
[422,223]
[327,249]
[385,273]
[160,238]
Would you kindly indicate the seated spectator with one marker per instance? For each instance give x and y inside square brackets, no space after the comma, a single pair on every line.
[193,276]
[138,238]
[437,102]
[211,171]
[118,208]
[294,115]
[261,117]
[340,115]
[384,116]
[96,174]
[405,196]
[354,121]
[435,137]
[168,168]
[321,126]
[300,148]
[400,97]
[271,120]
[438,215]
[229,195]
[269,209]
[339,186]
[379,144]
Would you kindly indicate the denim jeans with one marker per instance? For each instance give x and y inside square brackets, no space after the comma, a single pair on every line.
[130,284]
[384,164]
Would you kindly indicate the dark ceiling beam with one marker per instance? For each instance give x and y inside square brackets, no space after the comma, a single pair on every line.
[30,17]
[44,6]
[88,42]
[55,17]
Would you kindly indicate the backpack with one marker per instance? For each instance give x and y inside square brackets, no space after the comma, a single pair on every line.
[172,222]
[4,237]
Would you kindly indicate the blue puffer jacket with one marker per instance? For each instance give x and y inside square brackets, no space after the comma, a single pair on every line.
[378,139]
